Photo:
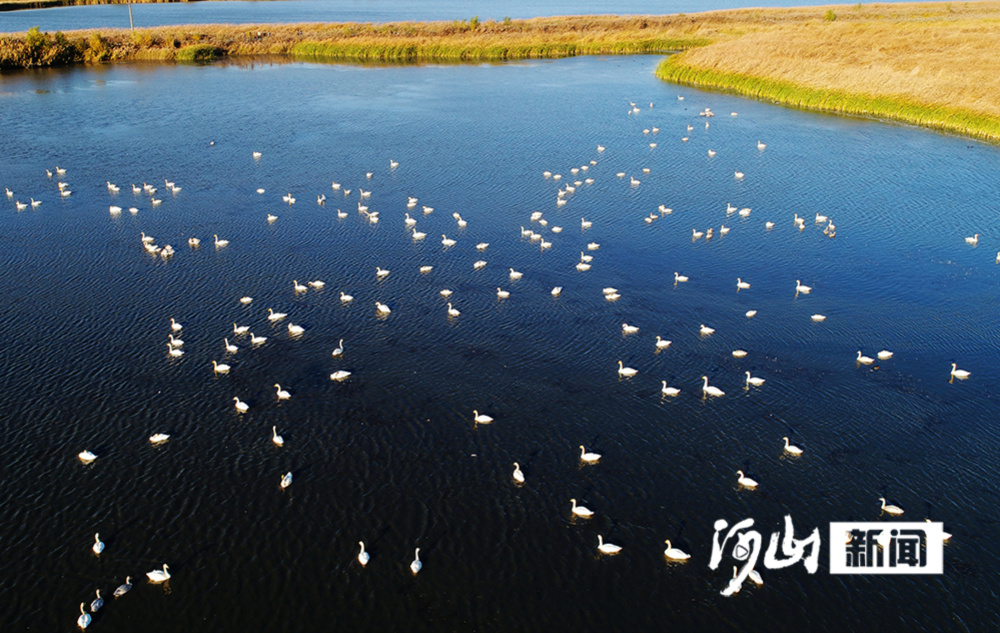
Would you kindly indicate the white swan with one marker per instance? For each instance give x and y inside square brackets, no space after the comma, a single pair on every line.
[753,380]
[709,390]
[890,509]
[581,511]
[800,288]
[481,418]
[339,349]
[662,343]
[865,360]
[124,588]
[590,458]
[607,548]
[972,240]
[819,318]
[257,340]
[299,287]
[585,224]
[502,294]
[363,556]
[86,457]
[173,351]
[158,438]
[675,554]
[751,314]
[382,308]
[275,316]
[679,278]
[479,264]
[669,391]
[175,342]
[238,330]
[518,475]
[452,312]
[696,234]
[84,620]
[745,481]
[629,329]
[884,355]
[705,330]
[220,243]
[277,439]
[557,291]
[295,330]
[175,326]
[340,375]
[628,372]
[282,394]
[791,448]
[739,353]
[741,285]
[346,298]
[583,267]
[961,374]
[246,300]
[159,575]
[447,241]
[761,146]
[380,273]
[98,546]
[98,602]
[286,480]
[514,275]
[416,565]
[241,406]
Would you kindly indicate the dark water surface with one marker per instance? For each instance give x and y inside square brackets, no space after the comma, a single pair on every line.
[391,456]
[292,11]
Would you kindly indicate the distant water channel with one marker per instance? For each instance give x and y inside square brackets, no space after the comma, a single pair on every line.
[291,11]
[391,456]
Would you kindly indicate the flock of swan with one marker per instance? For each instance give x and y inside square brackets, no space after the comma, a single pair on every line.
[545,233]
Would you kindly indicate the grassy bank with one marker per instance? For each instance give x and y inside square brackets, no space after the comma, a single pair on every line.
[404,41]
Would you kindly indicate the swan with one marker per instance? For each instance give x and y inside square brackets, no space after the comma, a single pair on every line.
[84,620]
[586,258]
[609,290]
[37,203]
[238,330]
[819,318]
[821,218]
[173,351]
[275,316]
[241,406]
[256,155]
[678,279]
[98,546]
[220,243]
[86,457]
[159,575]
[628,372]
[230,348]
[738,175]
[711,153]
[10,194]
[791,448]
[769,225]
[502,294]
[607,548]
[462,223]
[340,375]
[277,439]
[299,287]
[286,480]
[751,314]
[557,291]
[585,224]
[800,288]
[590,458]
[661,343]
[282,394]
[340,348]
[972,240]
[890,509]
[416,565]
[175,326]
[346,298]
[175,342]
[158,438]
[514,275]
[745,212]
[635,181]
[581,511]
[447,241]
[613,297]
[741,285]
[381,308]
[669,391]
[452,312]
[409,221]
[582,267]
[761,146]
[675,554]
[739,353]
[271,218]
[696,234]
[629,329]
[418,235]
[865,360]
[98,602]
[341,214]
[709,390]
[124,588]
[246,300]
[482,246]
[446,293]
[745,481]
[884,355]
[705,330]
[21,206]
[257,340]
[753,380]
[295,330]
[481,418]
[518,475]
[723,229]
[379,273]
[961,374]
[479,264]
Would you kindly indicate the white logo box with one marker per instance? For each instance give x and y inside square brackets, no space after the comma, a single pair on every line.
[915,547]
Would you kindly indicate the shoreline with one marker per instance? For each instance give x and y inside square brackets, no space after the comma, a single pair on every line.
[21,5]
[924,64]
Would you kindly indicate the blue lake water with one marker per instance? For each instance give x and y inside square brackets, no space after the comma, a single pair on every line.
[391,456]
[291,11]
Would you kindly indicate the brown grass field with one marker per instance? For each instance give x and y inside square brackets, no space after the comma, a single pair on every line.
[930,64]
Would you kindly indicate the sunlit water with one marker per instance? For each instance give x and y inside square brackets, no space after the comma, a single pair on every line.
[391,456]
[291,11]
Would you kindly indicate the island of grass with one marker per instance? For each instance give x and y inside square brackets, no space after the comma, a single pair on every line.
[927,64]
